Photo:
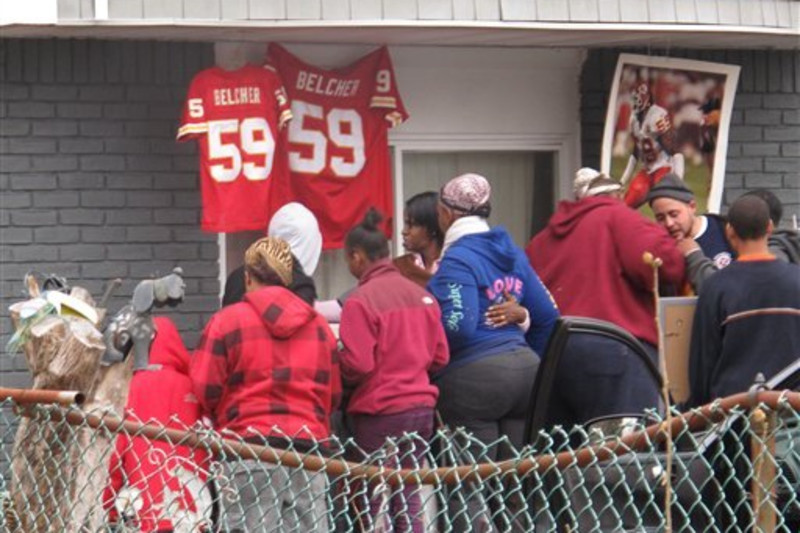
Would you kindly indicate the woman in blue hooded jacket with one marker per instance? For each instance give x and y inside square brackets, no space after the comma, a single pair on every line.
[486,386]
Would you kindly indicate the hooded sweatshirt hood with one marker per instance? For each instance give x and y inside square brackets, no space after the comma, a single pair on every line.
[570,214]
[475,273]
[785,244]
[298,226]
[167,348]
[282,312]
[494,248]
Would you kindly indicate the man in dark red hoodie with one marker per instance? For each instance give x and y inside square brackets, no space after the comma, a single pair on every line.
[590,257]
[266,369]
[160,487]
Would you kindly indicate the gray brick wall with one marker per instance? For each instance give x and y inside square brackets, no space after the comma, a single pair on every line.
[93,184]
[764,137]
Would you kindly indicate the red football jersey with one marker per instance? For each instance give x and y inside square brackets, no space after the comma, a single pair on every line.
[236,117]
[337,141]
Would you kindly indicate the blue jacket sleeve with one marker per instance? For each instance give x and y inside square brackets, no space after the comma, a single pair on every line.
[456,290]
[542,309]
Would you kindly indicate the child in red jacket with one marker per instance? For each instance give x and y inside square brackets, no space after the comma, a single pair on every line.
[154,485]
[393,339]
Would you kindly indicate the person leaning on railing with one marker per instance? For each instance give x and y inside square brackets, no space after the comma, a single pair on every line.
[266,370]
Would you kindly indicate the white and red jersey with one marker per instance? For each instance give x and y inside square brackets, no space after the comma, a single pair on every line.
[236,117]
[337,141]
[655,123]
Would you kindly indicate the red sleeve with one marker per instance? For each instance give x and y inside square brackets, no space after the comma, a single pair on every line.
[634,235]
[193,121]
[359,334]
[385,92]
[209,368]
[336,377]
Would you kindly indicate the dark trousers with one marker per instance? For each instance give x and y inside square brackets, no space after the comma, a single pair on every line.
[598,376]
[371,432]
[490,397]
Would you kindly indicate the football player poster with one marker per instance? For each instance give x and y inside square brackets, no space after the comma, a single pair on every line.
[669,115]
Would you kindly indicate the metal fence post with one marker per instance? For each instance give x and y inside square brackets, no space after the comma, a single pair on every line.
[762,453]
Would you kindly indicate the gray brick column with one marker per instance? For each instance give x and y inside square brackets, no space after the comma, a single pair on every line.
[93,184]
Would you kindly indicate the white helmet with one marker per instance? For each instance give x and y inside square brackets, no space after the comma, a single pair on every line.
[641,97]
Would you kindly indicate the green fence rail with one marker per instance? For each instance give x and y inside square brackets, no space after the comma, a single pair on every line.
[735,467]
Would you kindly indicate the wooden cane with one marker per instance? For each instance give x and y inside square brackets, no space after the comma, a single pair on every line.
[655,263]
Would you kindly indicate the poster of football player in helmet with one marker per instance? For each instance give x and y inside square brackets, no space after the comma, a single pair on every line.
[669,116]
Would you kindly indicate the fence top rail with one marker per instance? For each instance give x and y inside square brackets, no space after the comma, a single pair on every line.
[37,396]
[694,420]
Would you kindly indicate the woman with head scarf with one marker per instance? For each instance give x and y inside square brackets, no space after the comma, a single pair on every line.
[266,370]
[487,384]
[298,226]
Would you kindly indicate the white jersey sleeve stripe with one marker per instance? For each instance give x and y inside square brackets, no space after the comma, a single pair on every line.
[188,129]
[383,101]
[285,117]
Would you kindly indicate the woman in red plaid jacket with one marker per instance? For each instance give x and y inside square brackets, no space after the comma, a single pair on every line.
[266,369]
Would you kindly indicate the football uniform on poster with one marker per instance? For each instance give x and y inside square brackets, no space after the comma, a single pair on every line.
[647,131]
[337,141]
[655,123]
[236,117]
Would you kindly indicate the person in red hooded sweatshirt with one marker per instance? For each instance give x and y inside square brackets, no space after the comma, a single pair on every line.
[267,371]
[590,257]
[157,486]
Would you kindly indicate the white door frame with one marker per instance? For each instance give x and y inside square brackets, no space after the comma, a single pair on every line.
[565,146]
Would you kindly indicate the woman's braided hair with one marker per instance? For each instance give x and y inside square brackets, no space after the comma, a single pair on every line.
[269,260]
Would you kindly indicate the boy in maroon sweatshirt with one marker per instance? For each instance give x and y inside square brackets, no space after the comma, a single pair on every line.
[590,256]
[392,338]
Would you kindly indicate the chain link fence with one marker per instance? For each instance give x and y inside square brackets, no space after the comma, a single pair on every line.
[731,469]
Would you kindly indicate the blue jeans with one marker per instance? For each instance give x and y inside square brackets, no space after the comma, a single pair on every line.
[273,498]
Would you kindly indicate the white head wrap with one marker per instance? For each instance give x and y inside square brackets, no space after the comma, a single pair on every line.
[583,178]
[298,226]
[602,185]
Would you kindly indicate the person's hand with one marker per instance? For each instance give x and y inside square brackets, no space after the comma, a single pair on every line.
[506,312]
[687,245]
